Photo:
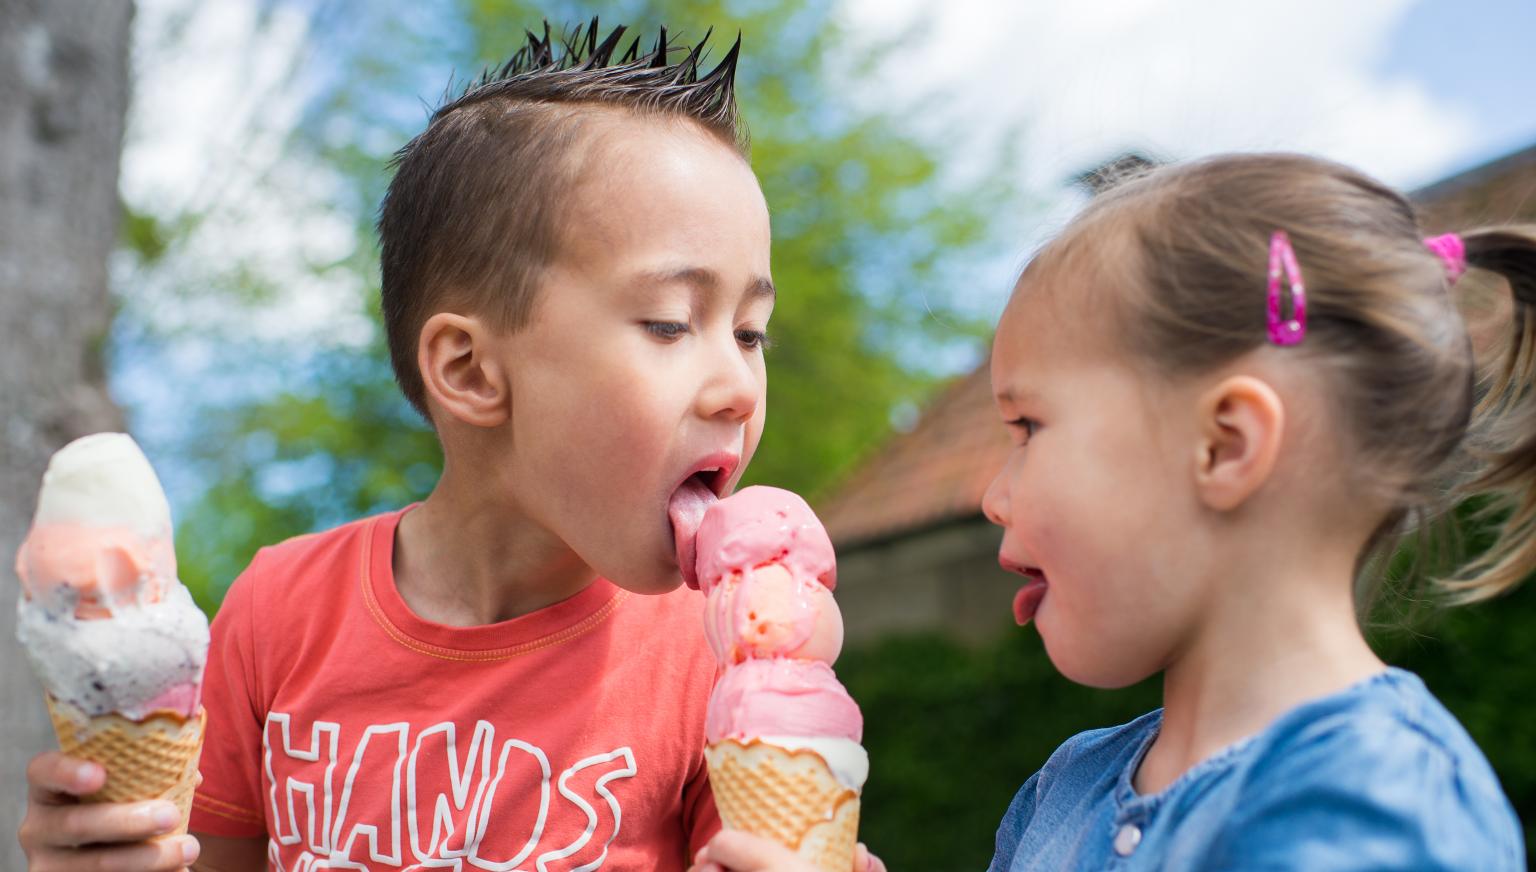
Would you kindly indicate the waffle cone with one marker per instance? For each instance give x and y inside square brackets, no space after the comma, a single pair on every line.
[155,758]
[789,796]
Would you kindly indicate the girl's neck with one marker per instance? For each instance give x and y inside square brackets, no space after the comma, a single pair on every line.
[1282,634]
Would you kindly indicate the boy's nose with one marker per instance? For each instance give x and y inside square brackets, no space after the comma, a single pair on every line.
[733,390]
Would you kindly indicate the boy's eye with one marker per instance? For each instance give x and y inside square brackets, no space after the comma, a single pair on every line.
[668,330]
[1025,427]
[754,338]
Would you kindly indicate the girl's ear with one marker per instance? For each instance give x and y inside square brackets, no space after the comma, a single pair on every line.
[1242,425]
[461,378]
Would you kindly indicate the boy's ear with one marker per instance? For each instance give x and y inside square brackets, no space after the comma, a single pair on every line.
[1242,425]
[460,376]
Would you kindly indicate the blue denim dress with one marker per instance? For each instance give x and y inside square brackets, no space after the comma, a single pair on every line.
[1377,776]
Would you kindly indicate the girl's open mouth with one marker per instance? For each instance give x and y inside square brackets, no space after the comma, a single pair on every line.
[1027,601]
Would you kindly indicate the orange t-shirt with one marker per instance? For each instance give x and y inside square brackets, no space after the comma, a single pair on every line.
[354,734]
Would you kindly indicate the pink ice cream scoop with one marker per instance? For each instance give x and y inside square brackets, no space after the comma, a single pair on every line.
[766,566]
[781,697]
[760,525]
[766,611]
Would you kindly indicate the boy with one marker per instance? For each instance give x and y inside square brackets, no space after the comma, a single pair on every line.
[575,288]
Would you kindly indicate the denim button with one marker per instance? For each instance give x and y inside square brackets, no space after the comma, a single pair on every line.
[1127,839]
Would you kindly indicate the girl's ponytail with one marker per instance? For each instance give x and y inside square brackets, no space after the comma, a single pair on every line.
[1502,441]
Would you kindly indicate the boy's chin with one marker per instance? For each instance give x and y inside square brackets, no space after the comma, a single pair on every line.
[664,580]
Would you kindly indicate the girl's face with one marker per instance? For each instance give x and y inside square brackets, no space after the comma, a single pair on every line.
[1097,498]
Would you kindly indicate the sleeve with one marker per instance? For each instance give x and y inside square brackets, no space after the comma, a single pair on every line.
[228,802]
[1011,831]
[1368,797]
[701,820]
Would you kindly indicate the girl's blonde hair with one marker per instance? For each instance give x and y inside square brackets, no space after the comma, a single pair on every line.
[1382,325]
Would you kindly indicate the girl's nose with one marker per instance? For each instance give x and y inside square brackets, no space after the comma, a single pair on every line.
[994,503]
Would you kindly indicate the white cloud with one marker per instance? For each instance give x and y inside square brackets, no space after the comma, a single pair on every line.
[1181,77]
[1077,83]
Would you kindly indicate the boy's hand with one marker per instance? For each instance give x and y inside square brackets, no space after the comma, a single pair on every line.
[736,851]
[61,832]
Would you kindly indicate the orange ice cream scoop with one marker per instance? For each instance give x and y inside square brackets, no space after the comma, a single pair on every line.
[101,566]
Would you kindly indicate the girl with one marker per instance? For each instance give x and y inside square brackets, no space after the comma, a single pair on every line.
[1232,384]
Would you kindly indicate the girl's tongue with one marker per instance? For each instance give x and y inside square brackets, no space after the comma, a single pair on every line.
[686,510]
[1027,601]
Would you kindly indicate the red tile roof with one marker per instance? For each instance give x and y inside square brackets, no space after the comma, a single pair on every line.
[937,472]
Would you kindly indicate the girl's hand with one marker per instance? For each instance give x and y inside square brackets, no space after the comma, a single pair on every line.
[61,832]
[736,851]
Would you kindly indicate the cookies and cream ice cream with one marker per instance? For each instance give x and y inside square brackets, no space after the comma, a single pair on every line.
[102,616]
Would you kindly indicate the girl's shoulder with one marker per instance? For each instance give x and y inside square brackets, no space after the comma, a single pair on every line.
[1388,719]
[1089,766]
[1380,767]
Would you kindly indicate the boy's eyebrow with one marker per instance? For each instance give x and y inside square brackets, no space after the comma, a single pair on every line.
[702,279]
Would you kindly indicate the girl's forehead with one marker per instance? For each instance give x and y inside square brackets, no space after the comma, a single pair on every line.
[1053,316]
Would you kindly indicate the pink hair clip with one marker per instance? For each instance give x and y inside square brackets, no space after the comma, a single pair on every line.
[1452,252]
[1282,257]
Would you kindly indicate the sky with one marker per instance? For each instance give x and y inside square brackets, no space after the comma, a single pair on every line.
[1408,90]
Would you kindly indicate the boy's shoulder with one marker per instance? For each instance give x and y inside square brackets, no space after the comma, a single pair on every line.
[308,566]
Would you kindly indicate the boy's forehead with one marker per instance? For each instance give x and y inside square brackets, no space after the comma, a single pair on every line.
[664,196]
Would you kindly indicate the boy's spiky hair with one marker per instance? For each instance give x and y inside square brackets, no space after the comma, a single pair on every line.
[475,210]
[578,68]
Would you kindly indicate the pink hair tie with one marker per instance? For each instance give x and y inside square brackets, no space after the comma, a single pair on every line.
[1452,252]
[1283,331]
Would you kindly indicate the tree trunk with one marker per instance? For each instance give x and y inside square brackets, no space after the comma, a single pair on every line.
[63,97]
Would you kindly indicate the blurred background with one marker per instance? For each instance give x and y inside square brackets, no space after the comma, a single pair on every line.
[187,193]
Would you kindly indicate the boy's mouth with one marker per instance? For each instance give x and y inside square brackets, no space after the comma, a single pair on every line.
[689,501]
[1027,601]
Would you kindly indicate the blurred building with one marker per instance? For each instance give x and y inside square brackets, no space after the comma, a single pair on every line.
[915,552]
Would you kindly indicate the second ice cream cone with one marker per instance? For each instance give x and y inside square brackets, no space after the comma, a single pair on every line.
[155,758]
[790,796]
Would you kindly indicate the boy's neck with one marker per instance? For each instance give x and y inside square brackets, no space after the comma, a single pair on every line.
[463,559]
[1282,633]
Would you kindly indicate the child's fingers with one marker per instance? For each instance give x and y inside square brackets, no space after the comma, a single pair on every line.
[52,777]
[864,861]
[169,855]
[744,852]
[68,826]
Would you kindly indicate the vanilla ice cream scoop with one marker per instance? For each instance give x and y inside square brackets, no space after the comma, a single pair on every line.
[103,618]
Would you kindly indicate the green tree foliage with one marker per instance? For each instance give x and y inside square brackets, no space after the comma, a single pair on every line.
[869,238]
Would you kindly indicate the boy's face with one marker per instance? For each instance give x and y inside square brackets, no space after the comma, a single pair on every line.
[642,365]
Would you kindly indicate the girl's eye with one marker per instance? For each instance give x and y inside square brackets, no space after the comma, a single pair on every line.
[667,330]
[754,338]
[1025,427]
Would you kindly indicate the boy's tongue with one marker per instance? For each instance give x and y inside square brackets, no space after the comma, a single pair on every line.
[686,509]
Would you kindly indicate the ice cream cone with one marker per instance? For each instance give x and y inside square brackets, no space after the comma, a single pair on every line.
[790,796]
[155,758]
